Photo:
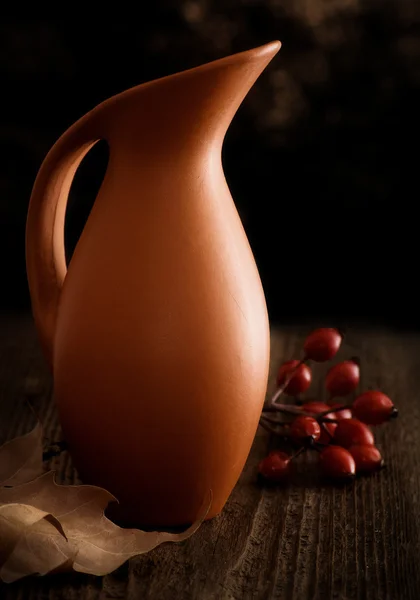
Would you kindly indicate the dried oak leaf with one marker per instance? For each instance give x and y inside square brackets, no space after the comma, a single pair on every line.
[88,542]
[21,458]
[45,527]
[20,461]
[16,517]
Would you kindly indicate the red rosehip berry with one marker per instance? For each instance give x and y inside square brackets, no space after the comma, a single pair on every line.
[374,408]
[339,415]
[327,429]
[367,458]
[322,344]
[300,380]
[342,379]
[337,463]
[352,432]
[304,430]
[315,407]
[275,467]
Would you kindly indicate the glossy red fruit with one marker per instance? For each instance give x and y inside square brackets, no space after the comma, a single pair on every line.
[275,467]
[342,379]
[322,344]
[340,414]
[316,408]
[331,427]
[304,430]
[352,432]
[374,408]
[367,458]
[337,463]
[301,378]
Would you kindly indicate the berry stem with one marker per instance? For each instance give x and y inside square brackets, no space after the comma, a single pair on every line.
[318,446]
[265,425]
[279,391]
[298,453]
[288,409]
[273,420]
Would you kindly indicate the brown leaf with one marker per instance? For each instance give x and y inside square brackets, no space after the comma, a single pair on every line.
[94,544]
[14,520]
[45,494]
[107,546]
[40,550]
[21,458]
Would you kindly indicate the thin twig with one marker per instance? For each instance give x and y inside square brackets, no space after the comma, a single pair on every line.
[267,427]
[300,451]
[273,420]
[287,409]
[286,382]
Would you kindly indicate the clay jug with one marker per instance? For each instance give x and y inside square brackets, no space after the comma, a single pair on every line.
[157,334]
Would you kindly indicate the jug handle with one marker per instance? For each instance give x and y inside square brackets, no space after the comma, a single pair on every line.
[45,252]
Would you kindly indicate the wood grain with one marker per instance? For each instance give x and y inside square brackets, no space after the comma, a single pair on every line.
[302,541]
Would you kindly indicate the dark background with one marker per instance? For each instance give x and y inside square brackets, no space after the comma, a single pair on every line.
[322,157]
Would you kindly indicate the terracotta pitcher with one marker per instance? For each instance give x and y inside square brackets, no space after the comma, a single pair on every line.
[157,334]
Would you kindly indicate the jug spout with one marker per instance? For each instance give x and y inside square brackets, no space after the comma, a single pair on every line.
[194,107]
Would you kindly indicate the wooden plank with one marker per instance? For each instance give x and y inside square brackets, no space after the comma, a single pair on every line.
[302,541]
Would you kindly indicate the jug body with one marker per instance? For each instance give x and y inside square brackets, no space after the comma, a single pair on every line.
[158,336]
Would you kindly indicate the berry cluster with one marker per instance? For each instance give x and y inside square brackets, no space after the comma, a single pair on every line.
[340,433]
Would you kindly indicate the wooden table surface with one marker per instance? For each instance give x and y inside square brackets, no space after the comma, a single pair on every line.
[303,541]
